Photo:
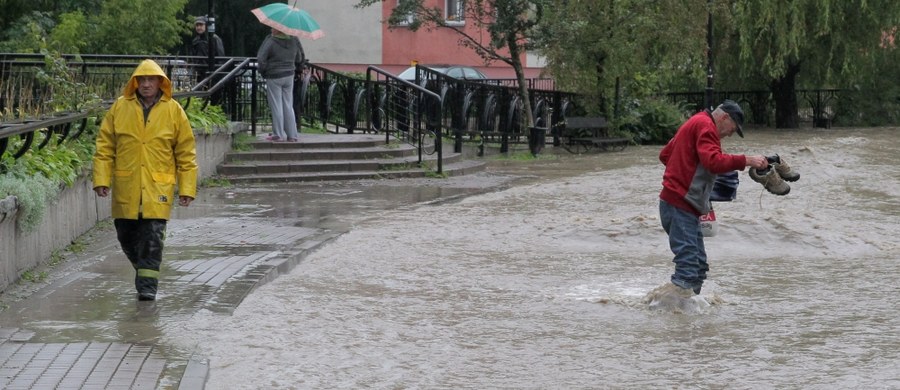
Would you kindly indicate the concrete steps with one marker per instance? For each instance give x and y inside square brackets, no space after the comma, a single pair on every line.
[319,157]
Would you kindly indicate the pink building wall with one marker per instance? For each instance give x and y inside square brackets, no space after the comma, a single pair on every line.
[401,47]
[356,38]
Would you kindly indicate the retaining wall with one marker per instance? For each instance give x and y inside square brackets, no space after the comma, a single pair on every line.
[76,210]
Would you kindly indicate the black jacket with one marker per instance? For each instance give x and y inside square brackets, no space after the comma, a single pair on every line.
[199,47]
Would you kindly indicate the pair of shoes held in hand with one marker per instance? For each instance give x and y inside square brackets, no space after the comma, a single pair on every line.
[775,177]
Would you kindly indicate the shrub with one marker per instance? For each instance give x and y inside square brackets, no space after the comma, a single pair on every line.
[650,121]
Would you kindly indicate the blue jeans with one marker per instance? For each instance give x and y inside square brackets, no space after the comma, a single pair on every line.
[686,242]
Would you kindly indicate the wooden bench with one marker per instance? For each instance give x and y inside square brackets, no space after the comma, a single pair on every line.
[581,134]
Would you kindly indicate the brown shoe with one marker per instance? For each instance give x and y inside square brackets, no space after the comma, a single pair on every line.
[784,170]
[770,179]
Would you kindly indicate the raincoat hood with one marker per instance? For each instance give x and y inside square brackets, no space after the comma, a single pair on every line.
[148,68]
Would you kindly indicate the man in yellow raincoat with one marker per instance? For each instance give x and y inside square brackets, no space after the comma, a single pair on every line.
[145,146]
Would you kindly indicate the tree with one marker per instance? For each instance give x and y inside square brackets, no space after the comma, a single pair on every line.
[98,26]
[649,45]
[509,25]
[818,43]
[137,26]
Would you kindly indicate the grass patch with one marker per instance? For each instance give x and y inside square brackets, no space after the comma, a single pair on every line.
[525,156]
[77,246]
[312,128]
[397,167]
[55,258]
[434,175]
[430,172]
[215,181]
[241,142]
[34,277]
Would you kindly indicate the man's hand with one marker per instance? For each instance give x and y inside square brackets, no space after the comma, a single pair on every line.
[758,162]
[102,191]
[184,200]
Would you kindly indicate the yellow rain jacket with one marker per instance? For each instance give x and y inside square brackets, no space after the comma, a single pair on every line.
[141,161]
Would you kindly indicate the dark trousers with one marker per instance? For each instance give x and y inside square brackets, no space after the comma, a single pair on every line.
[142,241]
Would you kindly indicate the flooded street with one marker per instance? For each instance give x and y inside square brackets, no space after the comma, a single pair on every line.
[540,285]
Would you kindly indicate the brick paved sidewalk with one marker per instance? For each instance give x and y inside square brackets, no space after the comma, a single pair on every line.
[86,330]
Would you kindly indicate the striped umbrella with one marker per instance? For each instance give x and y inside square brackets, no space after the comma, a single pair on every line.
[289,20]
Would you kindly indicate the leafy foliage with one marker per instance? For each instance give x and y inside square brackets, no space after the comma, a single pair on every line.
[97,26]
[647,47]
[650,121]
[25,35]
[241,142]
[204,118]
[66,93]
[40,172]
[804,44]
[70,35]
[33,194]
[119,20]
[215,181]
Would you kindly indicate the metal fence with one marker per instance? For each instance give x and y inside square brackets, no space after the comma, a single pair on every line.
[482,111]
[35,109]
[815,106]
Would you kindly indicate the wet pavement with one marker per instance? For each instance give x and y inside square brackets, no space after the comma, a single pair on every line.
[542,286]
[81,327]
[528,275]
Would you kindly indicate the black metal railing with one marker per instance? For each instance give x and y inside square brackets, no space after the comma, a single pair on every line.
[404,111]
[481,111]
[97,76]
[492,111]
[331,98]
[814,105]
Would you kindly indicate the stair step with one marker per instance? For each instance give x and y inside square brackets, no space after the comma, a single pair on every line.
[344,153]
[324,141]
[297,166]
[319,157]
[459,168]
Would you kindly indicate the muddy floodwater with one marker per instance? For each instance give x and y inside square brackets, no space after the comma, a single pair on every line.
[539,283]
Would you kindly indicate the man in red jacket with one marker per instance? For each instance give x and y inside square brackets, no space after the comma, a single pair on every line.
[693,158]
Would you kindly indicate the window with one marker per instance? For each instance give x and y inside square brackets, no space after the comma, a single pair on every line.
[455,12]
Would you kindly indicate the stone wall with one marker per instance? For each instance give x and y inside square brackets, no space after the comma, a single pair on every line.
[76,211]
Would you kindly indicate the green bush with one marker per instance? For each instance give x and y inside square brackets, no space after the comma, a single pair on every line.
[204,118]
[37,177]
[33,195]
[650,121]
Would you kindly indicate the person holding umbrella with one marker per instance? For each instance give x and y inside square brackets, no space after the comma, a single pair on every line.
[279,58]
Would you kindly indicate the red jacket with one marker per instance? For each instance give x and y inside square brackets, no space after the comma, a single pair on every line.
[693,158]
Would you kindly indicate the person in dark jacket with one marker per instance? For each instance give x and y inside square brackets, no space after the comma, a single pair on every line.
[693,158]
[279,57]
[200,45]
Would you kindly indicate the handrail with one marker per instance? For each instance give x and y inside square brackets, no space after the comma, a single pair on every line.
[434,121]
[62,123]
